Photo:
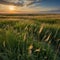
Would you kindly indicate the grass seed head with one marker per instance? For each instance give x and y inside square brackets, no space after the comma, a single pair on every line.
[40,30]
[30,47]
[48,37]
[37,50]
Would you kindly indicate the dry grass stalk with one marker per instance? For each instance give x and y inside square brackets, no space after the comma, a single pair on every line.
[48,37]
[40,30]
[25,36]
[4,43]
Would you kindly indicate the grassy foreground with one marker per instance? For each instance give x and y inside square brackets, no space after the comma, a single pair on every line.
[30,39]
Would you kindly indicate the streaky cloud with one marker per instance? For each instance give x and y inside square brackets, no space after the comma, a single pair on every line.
[34,2]
[11,3]
[20,2]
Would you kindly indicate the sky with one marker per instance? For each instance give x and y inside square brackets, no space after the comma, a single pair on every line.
[30,6]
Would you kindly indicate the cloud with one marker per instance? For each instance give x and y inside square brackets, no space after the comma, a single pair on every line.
[7,2]
[51,12]
[19,2]
[34,2]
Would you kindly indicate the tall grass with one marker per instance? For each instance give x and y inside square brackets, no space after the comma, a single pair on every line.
[29,40]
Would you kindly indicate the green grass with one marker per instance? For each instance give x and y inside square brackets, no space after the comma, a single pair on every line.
[30,39]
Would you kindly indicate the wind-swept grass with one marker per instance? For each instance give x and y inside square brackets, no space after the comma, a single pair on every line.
[29,40]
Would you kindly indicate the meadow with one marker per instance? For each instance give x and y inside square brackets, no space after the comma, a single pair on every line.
[30,37]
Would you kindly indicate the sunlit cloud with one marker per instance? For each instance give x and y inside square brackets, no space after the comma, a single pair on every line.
[35,6]
[20,2]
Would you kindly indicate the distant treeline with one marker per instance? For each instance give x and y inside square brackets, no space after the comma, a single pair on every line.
[26,14]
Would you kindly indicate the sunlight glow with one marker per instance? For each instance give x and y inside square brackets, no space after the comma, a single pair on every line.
[11,8]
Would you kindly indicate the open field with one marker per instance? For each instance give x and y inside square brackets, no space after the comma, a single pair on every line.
[30,37]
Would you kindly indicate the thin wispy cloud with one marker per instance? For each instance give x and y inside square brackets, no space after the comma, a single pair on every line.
[11,2]
[19,2]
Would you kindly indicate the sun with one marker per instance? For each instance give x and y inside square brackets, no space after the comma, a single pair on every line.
[11,8]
